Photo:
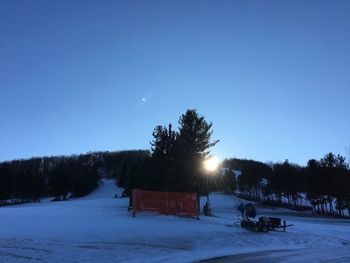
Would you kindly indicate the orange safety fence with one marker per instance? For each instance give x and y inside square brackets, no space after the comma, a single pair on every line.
[168,203]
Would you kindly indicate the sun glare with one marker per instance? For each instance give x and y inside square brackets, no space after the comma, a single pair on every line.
[211,164]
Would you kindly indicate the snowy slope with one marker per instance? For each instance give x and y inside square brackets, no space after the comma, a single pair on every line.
[98,228]
[107,190]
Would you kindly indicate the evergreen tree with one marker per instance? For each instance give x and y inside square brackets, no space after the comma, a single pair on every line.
[190,150]
[287,182]
[176,162]
[162,156]
[163,142]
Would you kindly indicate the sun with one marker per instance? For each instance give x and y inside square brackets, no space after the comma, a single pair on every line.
[211,164]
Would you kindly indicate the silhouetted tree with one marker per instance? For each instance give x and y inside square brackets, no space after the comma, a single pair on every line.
[191,147]
[286,181]
[177,157]
[162,156]
[328,182]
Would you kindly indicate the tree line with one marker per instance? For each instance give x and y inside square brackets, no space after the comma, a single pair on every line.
[175,163]
[324,183]
[62,177]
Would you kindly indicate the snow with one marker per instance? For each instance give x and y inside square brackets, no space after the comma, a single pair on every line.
[98,228]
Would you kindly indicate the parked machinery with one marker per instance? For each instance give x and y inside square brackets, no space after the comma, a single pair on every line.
[264,224]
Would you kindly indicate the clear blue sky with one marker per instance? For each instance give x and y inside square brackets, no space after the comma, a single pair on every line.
[272,76]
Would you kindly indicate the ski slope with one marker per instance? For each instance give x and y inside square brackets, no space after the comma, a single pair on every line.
[98,228]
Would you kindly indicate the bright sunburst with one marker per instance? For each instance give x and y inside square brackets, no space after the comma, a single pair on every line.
[211,164]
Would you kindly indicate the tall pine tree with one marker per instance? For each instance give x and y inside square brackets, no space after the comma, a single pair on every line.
[191,147]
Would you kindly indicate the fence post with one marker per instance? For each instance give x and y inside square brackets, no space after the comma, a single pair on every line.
[166,202]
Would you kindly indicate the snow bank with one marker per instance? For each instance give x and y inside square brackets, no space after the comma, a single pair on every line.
[98,228]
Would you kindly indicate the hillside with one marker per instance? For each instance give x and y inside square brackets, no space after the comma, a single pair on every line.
[98,228]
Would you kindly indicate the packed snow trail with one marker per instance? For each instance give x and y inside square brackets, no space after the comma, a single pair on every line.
[98,228]
[107,190]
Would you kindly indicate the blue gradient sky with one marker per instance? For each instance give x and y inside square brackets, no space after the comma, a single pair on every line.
[273,76]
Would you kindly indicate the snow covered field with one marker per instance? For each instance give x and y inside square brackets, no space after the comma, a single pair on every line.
[98,228]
